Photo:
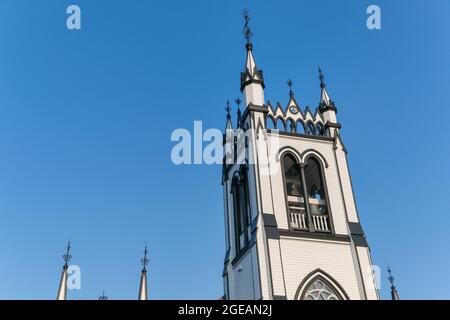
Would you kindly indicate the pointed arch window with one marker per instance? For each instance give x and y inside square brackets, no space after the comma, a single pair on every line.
[306,194]
[320,290]
[315,189]
[241,209]
[294,192]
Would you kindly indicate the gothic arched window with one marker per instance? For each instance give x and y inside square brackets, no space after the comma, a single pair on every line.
[306,195]
[320,290]
[316,194]
[241,209]
[292,176]
[294,192]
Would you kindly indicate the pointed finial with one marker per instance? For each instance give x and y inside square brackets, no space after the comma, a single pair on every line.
[238,102]
[228,109]
[391,278]
[247,31]
[290,83]
[321,78]
[394,292]
[67,256]
[103,296]
[144,260]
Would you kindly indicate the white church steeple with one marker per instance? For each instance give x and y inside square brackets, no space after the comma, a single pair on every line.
[143,283]
[62,291]
[252,79]
[292,230]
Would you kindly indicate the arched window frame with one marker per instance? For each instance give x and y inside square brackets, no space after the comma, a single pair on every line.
[241,209]
[306,222]
[321,275]
[322,166]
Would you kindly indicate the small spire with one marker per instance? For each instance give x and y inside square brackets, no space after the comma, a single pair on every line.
[103,296]
[67,256]
[290,83]
[394,293]
[229,125]
[144,260]
[325,100]
[143,283]
[238,102]
[62,290]
[248,34]
[321,78]
[251,73]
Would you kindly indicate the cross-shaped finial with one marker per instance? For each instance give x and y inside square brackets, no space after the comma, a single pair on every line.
[238,102]
[228,109]
[144,260]
[247,31]
[290,83]
[321,78]
[67,256]
[391,278]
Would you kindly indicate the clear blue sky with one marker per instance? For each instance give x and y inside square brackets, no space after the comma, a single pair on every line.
[86,118]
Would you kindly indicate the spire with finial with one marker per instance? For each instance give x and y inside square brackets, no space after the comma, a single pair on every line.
[290,83]
[394,293]
[62,290]
[251,73]
[103,296]
[325,100]
[248,34]
[238,103]
[229,125]
[326,104]
[143,283]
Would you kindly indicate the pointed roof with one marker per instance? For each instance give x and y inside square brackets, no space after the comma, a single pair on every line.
[239,115]
[143,283]
[325,103]
[229,125]
[251,73]
[62,290]
[394,293]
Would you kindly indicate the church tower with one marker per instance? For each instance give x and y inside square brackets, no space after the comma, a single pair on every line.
[292,226]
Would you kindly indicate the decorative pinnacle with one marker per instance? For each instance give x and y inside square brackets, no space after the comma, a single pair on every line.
[238,102]
[144,260]
[228,109]
[67,256]
[321,78]
[103,296]
[391,278]
[248,34]
[290,84]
